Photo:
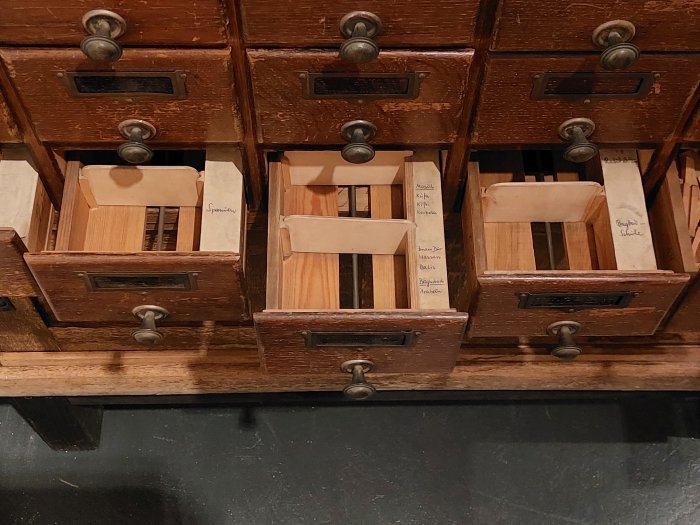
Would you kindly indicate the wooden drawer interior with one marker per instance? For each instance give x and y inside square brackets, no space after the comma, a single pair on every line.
[131,233]
[554,240]
[397,236]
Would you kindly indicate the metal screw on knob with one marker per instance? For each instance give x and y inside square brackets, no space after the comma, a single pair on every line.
[359,28]
[567,348]
[137,131]
[104,27]
[358,133]
[149,314]
[577,131]
[359,388]
[614,36]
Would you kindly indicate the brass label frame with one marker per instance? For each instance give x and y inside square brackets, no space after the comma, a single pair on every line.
[177,80]
[139,282]
[383,339]
[575,300]
[411,78]
[541,81]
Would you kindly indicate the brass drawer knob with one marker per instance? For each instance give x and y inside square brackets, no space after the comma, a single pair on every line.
[137,131]
[104,27]
[577,131]
[359,28]
[358,133]
[358,388]
[614,37]
[566,348]
[149,314]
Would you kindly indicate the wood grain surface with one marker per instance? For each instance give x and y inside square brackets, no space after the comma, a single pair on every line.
[209,113]
[218,295]
[686,318]
[507,114]
[15,278]
[22,329]
[8,128]
[156,22]
[284,350]
[693,132]
[551,25]
[406,23]
[285,117]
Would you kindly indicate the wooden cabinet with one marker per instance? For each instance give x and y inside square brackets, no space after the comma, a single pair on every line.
[400,319]
[305,97]
[186,94]
[8,129]
[152,23]
[525,99]
[568,26]
[132,236]
[693,133]
[547,248]
[405,23]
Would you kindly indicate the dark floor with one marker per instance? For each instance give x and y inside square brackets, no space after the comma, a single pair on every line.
[613,460]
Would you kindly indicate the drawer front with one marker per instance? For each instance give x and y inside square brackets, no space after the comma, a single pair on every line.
[106,287]
[21,327]
[156,22]
[693,133]
[206,340]
[316,23]
[687,317]
[525,99]
[190,100]
[552,25]
[306,96]
[524,305]
[318,343]
[15,278]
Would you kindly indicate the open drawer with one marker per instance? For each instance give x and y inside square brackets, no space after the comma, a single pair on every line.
[550,246]
[163,236]
[683,186]
[382,223]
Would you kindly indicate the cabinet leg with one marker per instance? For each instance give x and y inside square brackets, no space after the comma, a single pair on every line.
[60,424]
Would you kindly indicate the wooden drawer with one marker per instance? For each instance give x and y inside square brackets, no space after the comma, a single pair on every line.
[304,97]
[611,265]
[402,320]
[156,22]
[693,133]
[8,129]
[405,23]
[687,316]
[108,258]
[526,99]
[553,26]
[186,94]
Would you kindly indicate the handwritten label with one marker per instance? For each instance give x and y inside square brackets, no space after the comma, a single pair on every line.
[430,237]
[211,208]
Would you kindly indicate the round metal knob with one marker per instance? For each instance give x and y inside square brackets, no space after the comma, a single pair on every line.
[104,27]
[577,130]
[567,348]
[615,36]
[137,131]
[358,133]
[149,314]
[359,388]
[359,28]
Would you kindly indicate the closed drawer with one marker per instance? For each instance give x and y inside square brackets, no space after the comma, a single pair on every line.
[526,99]
[305,97]
[314,23]
[186,95]
[686,175]
[8,129]
[546,244]
[167,236]
[393,309]
[554,26]
[160,22]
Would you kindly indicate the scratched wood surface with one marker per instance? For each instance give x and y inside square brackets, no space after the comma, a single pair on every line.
[551,25]
[156,22]
[8,128]
[23,330]
[15,278]
[285,117]
[507,114]
[208,113]
[406,23]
